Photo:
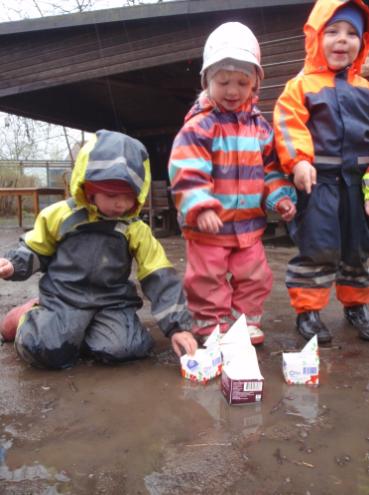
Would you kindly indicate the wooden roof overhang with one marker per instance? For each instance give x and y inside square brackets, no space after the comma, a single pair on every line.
[136,69]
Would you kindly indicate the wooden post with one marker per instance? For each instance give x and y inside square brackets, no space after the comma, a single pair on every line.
[19,210]
[36,203]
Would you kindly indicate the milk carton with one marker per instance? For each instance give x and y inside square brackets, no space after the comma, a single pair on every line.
[302,367]
[205,364]
[242,382]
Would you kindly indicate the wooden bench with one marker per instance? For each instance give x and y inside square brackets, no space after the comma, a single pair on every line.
[35,192]
[159,209]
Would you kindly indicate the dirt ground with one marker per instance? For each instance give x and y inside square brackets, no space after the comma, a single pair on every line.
[139,428]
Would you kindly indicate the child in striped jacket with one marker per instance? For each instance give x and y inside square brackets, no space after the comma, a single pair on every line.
[223,178]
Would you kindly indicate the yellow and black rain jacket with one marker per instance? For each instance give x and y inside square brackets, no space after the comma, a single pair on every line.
[87,258]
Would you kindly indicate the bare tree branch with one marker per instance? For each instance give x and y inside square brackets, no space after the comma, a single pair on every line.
[37,8]
[68,144]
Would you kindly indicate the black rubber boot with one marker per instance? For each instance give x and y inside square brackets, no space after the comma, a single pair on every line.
[309,324]
[358,317]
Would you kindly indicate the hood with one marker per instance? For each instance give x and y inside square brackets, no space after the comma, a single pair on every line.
[112,155]
[322,11]
[204,105]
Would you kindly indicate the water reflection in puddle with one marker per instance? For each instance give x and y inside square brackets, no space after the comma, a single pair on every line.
[35,472]
[247,417]
[302,401]
[31,473]
[4,446]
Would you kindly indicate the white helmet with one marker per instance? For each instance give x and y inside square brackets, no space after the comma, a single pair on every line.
[232,40]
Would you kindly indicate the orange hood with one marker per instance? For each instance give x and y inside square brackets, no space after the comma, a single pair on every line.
[322,11]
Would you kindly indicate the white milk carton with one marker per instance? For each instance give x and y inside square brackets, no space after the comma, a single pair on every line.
[242,382]
[206,363]
[302,367]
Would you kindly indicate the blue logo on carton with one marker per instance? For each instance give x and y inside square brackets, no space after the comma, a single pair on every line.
[192,363]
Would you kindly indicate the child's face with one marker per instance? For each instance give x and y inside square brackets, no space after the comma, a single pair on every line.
[112,204]
[230,89]
[341,45]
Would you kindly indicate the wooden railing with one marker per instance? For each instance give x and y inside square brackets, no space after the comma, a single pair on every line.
[35,192]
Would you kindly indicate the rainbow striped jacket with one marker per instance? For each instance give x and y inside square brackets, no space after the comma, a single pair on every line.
[225,161]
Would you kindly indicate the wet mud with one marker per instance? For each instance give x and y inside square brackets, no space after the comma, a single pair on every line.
[139,428]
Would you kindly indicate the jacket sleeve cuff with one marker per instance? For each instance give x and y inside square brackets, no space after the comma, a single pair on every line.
[191,217]
[298,159]
[175,330]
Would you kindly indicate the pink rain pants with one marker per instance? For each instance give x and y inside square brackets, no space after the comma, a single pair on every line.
[223,282]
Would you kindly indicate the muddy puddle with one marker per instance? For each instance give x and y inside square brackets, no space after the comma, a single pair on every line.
[140,428]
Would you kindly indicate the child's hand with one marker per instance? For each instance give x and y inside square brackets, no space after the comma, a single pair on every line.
[208,221]
[286,209]
[6,268]
[304,176]
[184,341]
[366,205]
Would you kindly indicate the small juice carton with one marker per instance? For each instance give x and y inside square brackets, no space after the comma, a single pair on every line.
[205,364]
[302,367]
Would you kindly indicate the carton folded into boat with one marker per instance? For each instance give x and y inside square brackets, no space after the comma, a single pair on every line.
[205,364]
[302,367]
[242,381]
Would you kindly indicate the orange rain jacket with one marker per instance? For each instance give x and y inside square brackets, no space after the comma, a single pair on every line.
[309,122]
[323,117]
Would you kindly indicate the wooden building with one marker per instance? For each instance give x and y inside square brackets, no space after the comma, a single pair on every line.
[136,69]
